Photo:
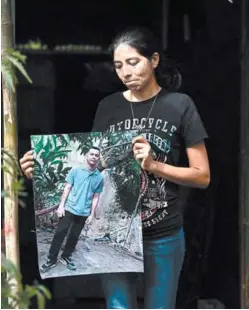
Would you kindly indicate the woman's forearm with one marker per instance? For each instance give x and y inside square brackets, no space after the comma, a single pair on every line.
[189,176]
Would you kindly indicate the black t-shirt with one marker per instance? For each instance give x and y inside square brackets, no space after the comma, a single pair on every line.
[174,123]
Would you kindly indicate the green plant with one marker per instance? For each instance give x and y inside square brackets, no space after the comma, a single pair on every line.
[50,171]
[16,295]
[10,61]
[13,293]
[33,45]
[17,186]
[50,164]
[85,140]
[117,153]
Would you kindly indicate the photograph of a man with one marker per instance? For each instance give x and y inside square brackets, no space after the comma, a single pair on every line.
[77,208]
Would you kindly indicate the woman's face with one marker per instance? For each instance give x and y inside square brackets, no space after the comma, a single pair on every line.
[133,69]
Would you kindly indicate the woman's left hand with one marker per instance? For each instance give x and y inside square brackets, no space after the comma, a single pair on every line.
[142,152]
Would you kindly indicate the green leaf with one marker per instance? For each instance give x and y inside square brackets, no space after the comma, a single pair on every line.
[22,203]
[64,139]
[20,67]
[45,291]
[60,166]
[58,148]
[34,140]
[11,159]
[30,290]
[8,170]
[4,193]
[66,170]
[39,146]
[60,154]
[51,170]
[37,164]
[54,140]
[55,162]
[8,77]
[47,148]
[38,177]
[40,300]
[22,58]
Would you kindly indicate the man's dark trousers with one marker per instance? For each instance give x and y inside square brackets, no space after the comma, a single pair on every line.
[69,223]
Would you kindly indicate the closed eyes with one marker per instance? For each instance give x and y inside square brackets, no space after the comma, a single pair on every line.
[131,62]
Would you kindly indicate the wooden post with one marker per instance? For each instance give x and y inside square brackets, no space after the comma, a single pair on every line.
[10,144]
[244,160]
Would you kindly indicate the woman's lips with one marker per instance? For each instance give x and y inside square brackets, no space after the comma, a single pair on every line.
[130,82]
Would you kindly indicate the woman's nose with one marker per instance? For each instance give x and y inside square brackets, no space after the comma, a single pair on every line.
[126,72]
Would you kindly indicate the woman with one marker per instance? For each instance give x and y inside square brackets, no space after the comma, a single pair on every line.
[167,121]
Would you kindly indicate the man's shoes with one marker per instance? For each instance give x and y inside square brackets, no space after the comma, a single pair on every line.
[67,261]
[48,265]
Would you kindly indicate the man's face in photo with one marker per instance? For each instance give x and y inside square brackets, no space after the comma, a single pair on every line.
[92,157]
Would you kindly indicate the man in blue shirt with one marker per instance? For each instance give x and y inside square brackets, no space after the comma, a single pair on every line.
[77,207]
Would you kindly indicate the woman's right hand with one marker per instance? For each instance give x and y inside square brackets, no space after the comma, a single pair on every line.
[27,164]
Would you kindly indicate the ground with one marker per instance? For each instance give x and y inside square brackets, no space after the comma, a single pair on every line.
[90,257]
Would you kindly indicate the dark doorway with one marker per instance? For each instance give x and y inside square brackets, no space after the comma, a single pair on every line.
[203,39]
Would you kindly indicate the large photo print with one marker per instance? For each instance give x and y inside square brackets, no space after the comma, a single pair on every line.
[87,189]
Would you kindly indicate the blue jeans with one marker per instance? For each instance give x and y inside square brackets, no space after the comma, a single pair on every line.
[163,259]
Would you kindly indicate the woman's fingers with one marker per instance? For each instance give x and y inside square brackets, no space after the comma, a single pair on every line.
[141,148]
[29,170]
[27,154]
[139,145]
[29,173]
[27,163]
[139,139]
[25,158]
[139,156]
[30,152]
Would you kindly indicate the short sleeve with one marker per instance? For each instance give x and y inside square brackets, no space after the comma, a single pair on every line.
[192,128]
[101,118]
[99,189]
[70,177]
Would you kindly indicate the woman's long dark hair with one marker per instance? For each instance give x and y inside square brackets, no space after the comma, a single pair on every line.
[144,41]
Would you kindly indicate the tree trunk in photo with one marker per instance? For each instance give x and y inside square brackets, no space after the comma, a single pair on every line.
[244,161]
[9,144]
[131,221]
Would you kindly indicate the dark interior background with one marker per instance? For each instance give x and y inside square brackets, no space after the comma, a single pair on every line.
[64,97]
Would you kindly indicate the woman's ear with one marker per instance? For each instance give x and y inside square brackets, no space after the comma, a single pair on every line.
[155,60]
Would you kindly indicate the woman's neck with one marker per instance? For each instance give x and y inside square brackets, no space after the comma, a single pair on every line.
[147,92]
